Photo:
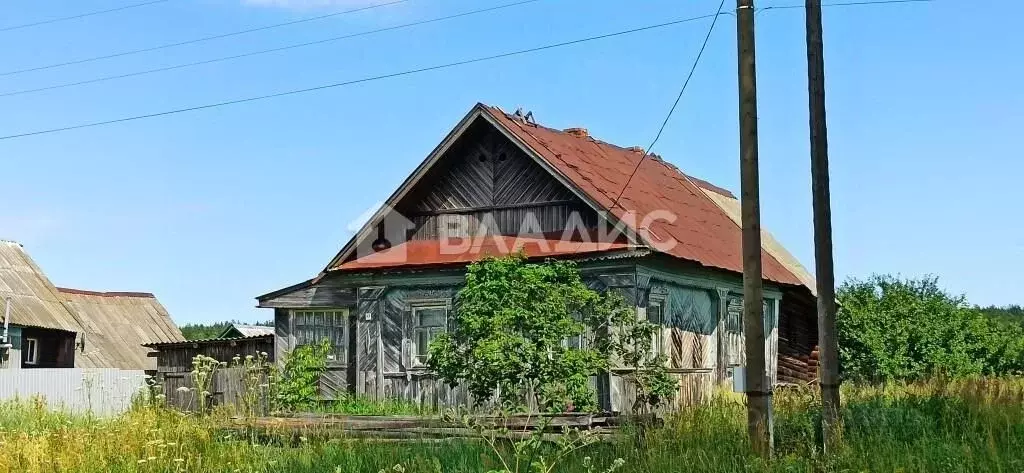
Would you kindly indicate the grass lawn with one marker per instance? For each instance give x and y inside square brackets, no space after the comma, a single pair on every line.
[938,426]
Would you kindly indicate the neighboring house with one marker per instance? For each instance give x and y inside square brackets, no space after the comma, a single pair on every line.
[49,327]
[242,331]
[500,183]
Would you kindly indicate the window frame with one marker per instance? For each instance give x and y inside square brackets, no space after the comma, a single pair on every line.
[31,351]
[416,360]
[340,352]
[658,300]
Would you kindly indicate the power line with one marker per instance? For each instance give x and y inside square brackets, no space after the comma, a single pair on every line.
[362,80]
[844,4]
[671,110]
[199,40]
[694,67]
[80,15]
[264,51]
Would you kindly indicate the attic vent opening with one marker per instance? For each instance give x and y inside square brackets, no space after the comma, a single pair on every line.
[577,132]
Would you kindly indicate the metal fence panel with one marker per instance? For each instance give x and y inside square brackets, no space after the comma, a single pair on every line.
[99,391]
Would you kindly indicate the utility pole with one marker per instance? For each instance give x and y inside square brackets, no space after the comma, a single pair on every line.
[831,425]
[758,387]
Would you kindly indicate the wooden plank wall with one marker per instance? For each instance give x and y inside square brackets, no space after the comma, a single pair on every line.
[693,336]
[179,358]
[174,365]
[535,219]
[485,180]
[484,169]
[227,389]
[798,338]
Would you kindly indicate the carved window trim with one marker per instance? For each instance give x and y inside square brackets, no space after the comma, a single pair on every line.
[417,355]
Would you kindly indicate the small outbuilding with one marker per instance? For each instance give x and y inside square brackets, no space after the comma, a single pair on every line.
[174,365]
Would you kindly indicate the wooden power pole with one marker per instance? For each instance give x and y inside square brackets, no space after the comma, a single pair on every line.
[823,270]
[758,387]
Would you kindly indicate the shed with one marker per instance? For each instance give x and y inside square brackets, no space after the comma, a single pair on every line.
[174,363]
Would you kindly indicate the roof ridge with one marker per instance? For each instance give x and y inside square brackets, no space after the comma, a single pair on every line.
[84,292]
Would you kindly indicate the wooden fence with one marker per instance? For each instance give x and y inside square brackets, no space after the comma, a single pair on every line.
[227,389]
[97,391]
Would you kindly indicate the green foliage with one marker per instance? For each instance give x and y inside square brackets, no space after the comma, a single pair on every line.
[906,329]
[1010,314]
[631,342]
[511,332]
[298,386]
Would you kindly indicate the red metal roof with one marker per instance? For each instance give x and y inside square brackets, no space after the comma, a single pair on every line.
[460,251]
[703,231]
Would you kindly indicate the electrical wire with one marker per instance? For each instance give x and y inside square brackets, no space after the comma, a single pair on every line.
[199,40]
[361,80]
[264,51]
[80,15]
[844,4]
[671,110]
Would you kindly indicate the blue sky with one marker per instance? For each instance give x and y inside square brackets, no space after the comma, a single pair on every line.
[209,209]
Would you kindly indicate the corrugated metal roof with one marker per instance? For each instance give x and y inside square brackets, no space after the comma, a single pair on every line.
[704,232]
[117,324]
[731,205]
[433,252]
[246,331]
[112,326]
[34,300]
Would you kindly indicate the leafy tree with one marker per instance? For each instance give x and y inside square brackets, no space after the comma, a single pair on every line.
[905,329]
[522,329]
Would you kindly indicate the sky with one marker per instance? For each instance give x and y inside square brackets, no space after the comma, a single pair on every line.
[211,208]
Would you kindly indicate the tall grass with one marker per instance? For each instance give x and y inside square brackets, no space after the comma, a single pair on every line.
[943,426]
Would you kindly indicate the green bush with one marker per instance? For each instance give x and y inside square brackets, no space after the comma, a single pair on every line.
[523,329]
[298,386]
[907,329]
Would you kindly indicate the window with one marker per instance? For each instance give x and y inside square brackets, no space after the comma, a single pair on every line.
[313,326]
[656,316]
[428,323]
[31,351]
[578,342]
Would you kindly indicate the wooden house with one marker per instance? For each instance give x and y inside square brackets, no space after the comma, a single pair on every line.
[500,183]
[45,326]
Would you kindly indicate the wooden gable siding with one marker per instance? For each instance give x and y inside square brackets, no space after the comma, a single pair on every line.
[545,218]
[485,180]
[484,169]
